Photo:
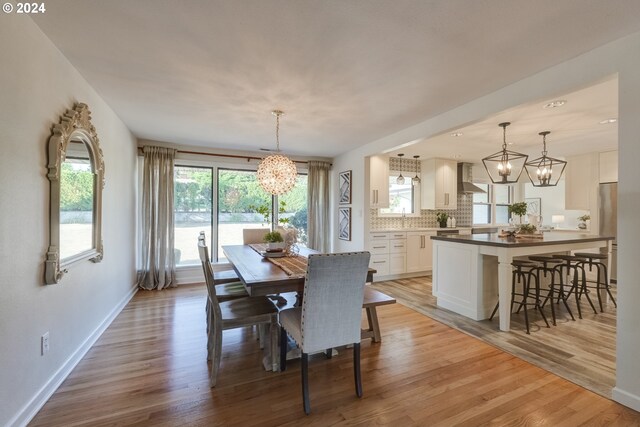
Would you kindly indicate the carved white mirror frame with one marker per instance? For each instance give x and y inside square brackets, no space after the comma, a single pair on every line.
[75,125]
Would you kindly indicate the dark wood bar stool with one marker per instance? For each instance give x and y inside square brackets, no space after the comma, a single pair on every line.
[523,274]
[573,267]
[602,275]
[545,267]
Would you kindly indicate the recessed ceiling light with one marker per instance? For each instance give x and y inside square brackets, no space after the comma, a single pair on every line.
[555,104]
[457,156]
[456,134]
[608,121]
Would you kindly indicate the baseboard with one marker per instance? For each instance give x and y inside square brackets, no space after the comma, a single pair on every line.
[626,398]
[28,411]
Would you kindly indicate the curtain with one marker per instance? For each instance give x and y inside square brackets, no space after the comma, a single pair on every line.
[318,205]
[158,260]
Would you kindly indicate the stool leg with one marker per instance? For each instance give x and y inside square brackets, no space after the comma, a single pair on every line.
[608,285]
[564,299]
[495,309]
[585,290]
[525,294]
[532,276]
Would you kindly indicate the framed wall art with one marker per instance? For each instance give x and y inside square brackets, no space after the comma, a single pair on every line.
[344,223]
[344,187]
[534,205]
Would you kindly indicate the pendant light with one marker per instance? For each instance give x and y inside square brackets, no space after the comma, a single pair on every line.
[400,179]
[505,166]
[545,171]
[277,174]
[416,179]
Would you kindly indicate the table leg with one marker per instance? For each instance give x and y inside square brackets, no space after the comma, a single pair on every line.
[504,288]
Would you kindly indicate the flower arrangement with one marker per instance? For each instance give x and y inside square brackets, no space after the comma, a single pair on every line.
[527,229]
[442,218]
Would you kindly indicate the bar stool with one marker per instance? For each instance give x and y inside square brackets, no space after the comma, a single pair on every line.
[522,274]
[596,260]
[573,264]
[547,265]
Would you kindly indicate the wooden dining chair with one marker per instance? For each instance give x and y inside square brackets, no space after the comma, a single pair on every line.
[331,312]
[230,286]
[232,314]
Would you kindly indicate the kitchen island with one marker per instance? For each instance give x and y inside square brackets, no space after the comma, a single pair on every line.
[471,272]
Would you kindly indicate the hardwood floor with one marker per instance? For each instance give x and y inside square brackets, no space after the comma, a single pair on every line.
[149,369]
[582,351]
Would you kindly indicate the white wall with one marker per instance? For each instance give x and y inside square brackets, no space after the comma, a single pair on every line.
[552,199]
[37,85]
[622,57]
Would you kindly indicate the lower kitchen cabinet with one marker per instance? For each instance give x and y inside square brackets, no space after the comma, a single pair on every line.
[419,251]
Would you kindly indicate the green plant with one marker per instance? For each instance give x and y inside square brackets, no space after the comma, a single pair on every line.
[265,210]
[273,237]
[519,209]
[527,229]
[442,217]
[584,217]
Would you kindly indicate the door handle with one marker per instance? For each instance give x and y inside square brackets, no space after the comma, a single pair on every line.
[446,199]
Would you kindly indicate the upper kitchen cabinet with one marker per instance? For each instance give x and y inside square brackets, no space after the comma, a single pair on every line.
[439,184]
[609,166]
[581,182]
[379,181]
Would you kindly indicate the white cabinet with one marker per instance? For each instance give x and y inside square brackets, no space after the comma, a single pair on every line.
[379,181]
[581,179]
[439,184]
[419,251]
[388,253]
[609,166]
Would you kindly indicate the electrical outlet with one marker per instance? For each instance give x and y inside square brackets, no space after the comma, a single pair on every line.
[44,343]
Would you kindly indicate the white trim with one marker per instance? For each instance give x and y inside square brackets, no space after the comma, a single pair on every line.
[31,408]
[627,399]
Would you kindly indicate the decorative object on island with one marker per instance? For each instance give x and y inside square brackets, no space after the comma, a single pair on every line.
[416,179]
[442,218]
[344,223]
[400,179]
[519,209]
[556,220]
[505,166]
[274,241]
[344,186]
[543,171]
[277,174]
[584,221]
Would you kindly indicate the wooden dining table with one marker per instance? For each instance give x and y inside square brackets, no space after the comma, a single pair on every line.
[262,277]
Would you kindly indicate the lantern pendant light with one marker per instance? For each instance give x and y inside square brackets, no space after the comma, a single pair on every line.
[400,179]
[543,171]
[277,174]
[505,166]
[416,179]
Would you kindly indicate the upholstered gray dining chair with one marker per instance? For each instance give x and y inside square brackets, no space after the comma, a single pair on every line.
[331,312]
[234,313]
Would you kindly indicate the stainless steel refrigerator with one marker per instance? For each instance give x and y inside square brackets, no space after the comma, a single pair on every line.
[608,199]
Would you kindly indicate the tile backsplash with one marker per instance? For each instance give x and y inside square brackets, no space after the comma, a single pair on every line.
[427,218]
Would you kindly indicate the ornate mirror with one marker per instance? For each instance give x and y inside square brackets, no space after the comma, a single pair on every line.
[76,174]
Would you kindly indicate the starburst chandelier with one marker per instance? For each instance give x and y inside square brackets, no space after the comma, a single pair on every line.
[277,174]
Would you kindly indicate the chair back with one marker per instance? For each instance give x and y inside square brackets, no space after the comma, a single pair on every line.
[332,300]
[203,251]
[253,235]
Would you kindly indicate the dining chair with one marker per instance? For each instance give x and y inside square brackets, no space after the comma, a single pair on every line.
[233,314]
[227,283]
[253,235]
[331,312]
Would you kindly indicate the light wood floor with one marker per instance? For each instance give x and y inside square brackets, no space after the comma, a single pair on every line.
[582,351]
[149,369]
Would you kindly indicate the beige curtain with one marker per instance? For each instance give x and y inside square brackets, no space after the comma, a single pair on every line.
[158,261]
[318,205]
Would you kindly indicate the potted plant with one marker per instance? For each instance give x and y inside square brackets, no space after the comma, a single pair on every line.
[584,221]
[527,229]
[274,240]
[442,217]
[519,209]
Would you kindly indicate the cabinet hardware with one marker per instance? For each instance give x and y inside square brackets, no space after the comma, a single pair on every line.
[398,246]
[379,247]
[379,235]
[379,262]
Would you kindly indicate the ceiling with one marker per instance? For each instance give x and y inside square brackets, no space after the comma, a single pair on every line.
[575,129]
[208,73]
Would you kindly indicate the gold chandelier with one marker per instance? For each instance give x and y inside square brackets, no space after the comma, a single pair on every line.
[277,174]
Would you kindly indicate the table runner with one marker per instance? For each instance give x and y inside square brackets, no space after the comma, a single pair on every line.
[294,265]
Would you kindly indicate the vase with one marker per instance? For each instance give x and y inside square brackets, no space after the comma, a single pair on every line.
[443,224]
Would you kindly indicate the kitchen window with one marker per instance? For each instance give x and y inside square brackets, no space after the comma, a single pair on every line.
[492,207]
[404,199]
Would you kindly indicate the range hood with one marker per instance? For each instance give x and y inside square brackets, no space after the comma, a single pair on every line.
[464,180]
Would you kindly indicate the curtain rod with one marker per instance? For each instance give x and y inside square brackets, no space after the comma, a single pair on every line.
[232,156]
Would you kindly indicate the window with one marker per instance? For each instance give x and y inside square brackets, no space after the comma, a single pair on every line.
[403,198]
[295,208]
[492,207]
[192,210]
